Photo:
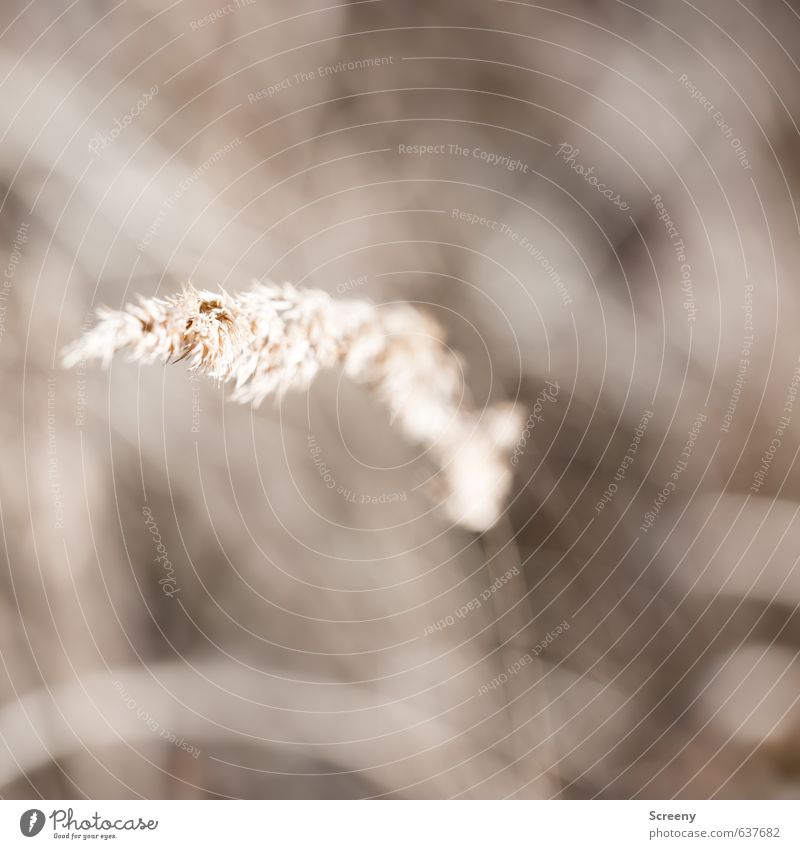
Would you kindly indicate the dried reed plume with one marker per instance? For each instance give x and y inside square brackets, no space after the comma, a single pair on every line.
[278,337]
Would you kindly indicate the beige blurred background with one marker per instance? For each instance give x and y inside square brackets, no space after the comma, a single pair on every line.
[623,222]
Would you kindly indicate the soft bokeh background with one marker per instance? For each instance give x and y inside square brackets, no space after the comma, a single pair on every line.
[305,648]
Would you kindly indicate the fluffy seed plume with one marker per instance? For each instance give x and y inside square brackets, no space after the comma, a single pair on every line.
[277,337]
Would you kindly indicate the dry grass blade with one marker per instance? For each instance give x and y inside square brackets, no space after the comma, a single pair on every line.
[277,337]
